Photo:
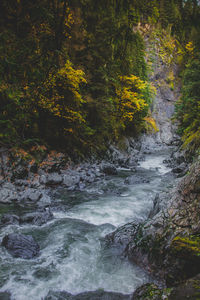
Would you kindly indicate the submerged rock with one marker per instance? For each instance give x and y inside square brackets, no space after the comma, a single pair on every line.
[95,295]
[19,245]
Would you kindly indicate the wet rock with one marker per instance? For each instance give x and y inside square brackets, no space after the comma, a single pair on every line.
[190,289]
[19,245]
[43,179]
[133,160]
[95,295]
[180,169]
[21,182]
[150,292]
[178,157]
[37,218]
[44,201]
[168,245]
[70,180]
[134,179]
[108,169]
[156,207]
[121,237]
[8,193]
[34,168]
[32,195]
[5,296]
[20,172]
[8,219]
[54,179]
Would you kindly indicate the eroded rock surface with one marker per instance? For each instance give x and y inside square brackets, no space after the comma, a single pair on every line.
[19,245]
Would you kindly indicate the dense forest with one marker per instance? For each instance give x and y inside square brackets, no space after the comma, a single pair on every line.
[74,75]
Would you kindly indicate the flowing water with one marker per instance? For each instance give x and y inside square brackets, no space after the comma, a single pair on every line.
[72,256]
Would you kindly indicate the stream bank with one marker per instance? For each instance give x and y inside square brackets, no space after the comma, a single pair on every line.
[74,254]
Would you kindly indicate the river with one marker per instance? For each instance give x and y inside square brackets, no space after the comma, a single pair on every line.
[73,255]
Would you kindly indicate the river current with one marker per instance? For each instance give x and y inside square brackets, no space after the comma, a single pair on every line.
[72,256]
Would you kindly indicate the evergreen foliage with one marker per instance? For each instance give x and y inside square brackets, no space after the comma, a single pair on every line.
[73,73]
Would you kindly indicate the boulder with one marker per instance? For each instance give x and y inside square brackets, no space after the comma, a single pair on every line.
[8,193]
[108,169]
[54,179]
[31,194]
[121,237]
[180,168]
[19,245]
[70,180]
[37,218]
[8,219]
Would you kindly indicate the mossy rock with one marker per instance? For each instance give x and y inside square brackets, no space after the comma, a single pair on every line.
[150,292]
[184,246]
[190,289]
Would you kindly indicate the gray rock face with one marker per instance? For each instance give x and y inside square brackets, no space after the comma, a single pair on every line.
[163,106]
[162,244]
[19,245]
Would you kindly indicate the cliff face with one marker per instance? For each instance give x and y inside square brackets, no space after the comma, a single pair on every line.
[163,74]
[169,243]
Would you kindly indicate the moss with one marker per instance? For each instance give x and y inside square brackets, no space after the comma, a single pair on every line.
[187,245]
[151,292]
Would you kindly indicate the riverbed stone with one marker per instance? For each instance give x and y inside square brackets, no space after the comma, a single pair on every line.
[37,218]
[8,193]
[54,179]
[31,194]
[19,245]
[108,169]
[70,180]
[8,219]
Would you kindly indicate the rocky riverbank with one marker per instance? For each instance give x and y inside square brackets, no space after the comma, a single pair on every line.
[168,244]
[30,177]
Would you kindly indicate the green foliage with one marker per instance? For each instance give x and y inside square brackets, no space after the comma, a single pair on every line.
[188,107]
[73,73]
